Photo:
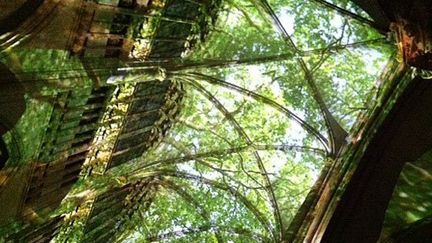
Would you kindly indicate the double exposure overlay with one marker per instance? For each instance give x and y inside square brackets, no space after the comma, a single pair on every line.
[215,121]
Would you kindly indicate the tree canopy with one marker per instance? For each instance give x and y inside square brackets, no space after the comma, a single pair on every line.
[269,99]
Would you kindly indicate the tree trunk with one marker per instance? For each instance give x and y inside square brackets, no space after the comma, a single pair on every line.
[411,21]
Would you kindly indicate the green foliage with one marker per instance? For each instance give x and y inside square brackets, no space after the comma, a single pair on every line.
[244,152]
[42,74]
[25,139]
[215,119]
[412,197]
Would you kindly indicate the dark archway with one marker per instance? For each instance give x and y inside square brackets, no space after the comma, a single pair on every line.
[12,106]
[4,154]
[405,135]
